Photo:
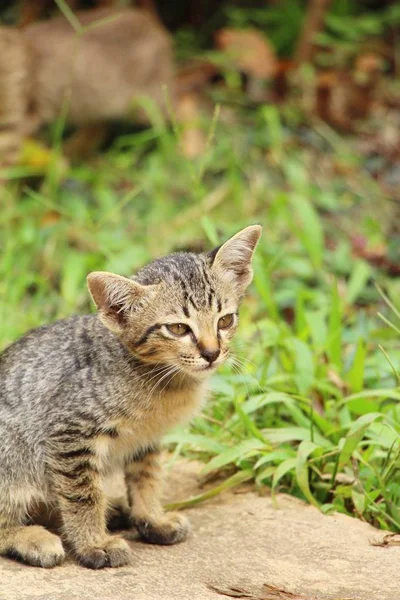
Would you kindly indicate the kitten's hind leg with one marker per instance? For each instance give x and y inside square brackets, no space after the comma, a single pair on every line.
[144,482]
[118,515]
[31,544]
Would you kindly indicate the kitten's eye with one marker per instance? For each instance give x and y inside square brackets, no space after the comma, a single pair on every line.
[225,322]
[178,328]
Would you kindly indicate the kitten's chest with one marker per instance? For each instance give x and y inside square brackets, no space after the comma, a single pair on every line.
[148,423]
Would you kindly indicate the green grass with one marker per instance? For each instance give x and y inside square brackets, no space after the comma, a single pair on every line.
[310,404]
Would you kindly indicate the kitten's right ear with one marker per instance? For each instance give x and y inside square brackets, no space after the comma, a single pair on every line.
[233,259]
[116,297]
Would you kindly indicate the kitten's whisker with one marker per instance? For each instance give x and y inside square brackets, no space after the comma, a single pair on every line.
[171,369]
[144,377]
[234,360]
[240,345]
[244,358]
[238,371]
[159,380]
[157,373]
[241,360]
[177,371]
[172,374]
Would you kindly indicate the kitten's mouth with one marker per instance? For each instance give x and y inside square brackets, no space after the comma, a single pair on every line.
[209,367]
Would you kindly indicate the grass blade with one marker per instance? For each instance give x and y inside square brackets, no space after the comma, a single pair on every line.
[228,484]
[305,449]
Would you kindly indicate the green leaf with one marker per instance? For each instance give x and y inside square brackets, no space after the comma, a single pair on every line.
[305,449]
[327,508]
[264,288]
[249,424]
[304,364]
[232,481]
[389,323]
[382,393]
[300,315]
[319,330]
[334,345]
[294,434]
[355,376]
[309,228]
[271,116]
[358,498]
[363,406]
[276,455]
[203,442]
[355,435]
[260,400]
[265,474]
[383,434]
[359,276]
[285,467]
[231,455]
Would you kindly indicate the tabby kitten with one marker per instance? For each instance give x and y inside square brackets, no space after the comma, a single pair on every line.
[90,395]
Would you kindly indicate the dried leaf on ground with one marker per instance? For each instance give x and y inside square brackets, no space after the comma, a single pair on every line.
[249,50]
[264,592]
[390,539]
[272,593]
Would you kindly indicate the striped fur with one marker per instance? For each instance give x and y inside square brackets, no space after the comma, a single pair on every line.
[88,396]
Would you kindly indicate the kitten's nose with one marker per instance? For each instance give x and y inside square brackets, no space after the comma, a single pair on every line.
[210,355]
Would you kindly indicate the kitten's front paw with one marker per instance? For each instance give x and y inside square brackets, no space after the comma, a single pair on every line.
[171,529]
[38,547]
[114,553]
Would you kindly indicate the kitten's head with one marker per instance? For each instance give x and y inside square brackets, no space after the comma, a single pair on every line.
[180,310]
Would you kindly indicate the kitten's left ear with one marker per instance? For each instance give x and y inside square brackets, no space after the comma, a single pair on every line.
[233,259]
[116,296]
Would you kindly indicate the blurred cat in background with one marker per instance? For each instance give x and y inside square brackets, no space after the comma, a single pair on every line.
[47,67]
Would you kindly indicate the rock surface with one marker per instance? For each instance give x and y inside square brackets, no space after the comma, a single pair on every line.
[239,542]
